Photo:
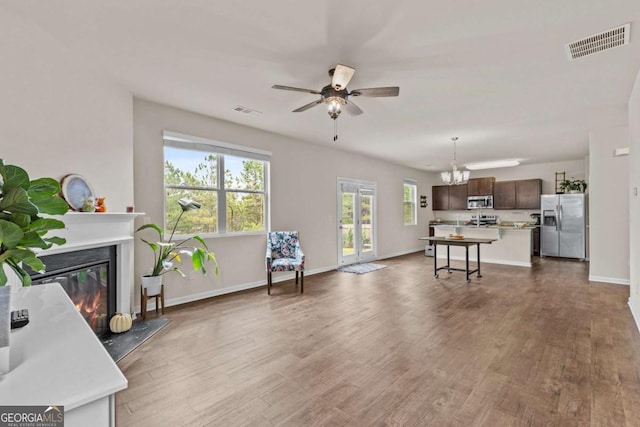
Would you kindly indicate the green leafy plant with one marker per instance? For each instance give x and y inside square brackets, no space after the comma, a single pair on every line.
[22,229]
[573,185]
[165,253]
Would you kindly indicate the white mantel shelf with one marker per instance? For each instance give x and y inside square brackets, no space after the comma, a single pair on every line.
[91,229]
[56,359]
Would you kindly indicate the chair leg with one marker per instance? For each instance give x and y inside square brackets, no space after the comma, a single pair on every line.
[296,278]
[268,283]
[302,282]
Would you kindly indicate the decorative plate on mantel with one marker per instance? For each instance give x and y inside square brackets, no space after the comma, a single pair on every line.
[75,190]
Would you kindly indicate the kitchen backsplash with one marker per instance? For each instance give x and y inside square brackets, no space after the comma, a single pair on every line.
[512,216]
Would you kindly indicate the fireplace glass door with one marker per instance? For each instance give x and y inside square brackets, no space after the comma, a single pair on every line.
[87,288]
[88,277]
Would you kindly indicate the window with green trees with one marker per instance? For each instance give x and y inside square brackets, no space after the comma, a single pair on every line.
[230,184]
[410,202]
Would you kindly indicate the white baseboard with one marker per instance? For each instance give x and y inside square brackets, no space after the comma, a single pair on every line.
[614,280]
[231,289]
[407,252]
[490,261]
[636,315]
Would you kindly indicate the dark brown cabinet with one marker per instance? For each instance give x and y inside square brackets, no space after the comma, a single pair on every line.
[504,195]
[522,194]
[449,197]
[440,197]
[480,186]
[458,197]
[535,241]
[528,193]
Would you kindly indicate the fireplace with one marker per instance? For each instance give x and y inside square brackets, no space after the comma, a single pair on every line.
[108,231]
[89,278]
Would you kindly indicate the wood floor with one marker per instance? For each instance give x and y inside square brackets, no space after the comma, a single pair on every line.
[539,346]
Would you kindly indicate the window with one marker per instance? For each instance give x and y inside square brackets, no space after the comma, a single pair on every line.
[410,213]
[228,180]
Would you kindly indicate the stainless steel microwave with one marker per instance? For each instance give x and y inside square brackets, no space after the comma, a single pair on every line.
[480,202]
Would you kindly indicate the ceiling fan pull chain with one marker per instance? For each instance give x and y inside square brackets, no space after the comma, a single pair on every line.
[335,130]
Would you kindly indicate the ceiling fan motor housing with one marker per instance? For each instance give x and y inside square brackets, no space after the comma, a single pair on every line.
[329,94]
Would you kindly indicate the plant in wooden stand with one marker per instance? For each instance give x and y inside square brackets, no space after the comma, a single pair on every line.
[166,253]
[22,230]
[573,185]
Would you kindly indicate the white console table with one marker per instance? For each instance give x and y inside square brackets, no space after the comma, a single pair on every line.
[57,359]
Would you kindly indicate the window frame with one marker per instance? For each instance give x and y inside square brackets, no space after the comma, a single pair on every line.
[414,202]
[220,149]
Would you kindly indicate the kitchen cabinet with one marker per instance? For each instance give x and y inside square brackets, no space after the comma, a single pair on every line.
[480,186]
[521,194]
[440,197]
[535,241]
[449,197]
[504,195]
[458,197]
[528,193]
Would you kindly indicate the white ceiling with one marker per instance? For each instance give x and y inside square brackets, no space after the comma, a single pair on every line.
[492,72]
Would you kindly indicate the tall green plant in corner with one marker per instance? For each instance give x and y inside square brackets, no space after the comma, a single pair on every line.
[22,229]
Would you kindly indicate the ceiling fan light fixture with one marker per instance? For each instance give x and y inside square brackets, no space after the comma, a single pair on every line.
[334,106]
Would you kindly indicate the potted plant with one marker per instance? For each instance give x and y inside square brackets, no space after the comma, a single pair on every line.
[167,252]
[573,185]
[22,230]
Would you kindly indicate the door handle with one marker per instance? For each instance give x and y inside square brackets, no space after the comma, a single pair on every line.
[561,215]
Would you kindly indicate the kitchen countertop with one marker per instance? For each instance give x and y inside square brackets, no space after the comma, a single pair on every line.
[58,359]
[498,227]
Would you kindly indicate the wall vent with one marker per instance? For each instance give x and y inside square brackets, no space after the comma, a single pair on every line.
[245,110]
[609,39]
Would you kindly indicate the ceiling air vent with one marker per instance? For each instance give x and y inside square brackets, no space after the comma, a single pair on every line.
[245,110]
[609,39]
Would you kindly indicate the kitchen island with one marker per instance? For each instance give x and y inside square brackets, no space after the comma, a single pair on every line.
[512,245]
[57,359]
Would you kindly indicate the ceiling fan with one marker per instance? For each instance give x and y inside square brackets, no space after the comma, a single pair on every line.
[336,95]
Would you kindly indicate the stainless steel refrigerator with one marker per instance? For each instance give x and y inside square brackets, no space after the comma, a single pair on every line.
[563,228]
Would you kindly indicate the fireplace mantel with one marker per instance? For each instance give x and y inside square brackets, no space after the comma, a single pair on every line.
[91,230]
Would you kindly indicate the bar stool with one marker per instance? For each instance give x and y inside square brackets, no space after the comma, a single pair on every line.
[144,299]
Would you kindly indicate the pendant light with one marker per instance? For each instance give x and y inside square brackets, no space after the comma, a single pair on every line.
[455,177]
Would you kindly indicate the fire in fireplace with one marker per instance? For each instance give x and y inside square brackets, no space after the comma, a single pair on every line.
[88,276]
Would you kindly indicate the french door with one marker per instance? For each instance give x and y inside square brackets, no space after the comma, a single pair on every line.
[356,221]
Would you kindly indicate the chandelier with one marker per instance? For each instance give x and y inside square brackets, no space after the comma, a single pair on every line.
[455,177]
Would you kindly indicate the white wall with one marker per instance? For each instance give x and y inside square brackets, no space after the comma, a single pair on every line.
[634,201]
[59,116]
[608,206]
[303,198]
[544,171]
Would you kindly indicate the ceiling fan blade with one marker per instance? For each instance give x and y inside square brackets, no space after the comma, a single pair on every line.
[342,76]
[296,89]
[376,91]
[309,105]
[352,108]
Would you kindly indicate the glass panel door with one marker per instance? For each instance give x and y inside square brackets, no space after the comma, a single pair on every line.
[347,228]
[356,222]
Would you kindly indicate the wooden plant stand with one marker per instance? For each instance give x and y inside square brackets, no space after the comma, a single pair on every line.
[144,299]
